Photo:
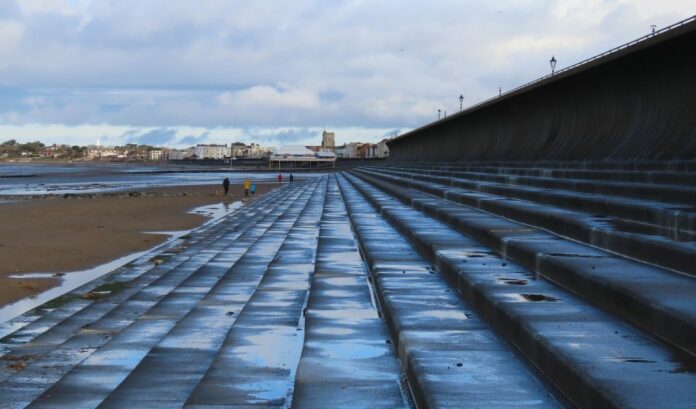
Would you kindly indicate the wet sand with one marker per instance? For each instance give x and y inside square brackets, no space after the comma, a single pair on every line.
[58,235]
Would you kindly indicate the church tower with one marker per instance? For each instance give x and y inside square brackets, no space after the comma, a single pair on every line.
[328,141]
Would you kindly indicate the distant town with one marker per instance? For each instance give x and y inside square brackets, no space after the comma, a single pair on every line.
[14,151]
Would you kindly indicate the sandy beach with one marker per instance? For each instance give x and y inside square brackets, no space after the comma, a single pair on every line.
[63,234]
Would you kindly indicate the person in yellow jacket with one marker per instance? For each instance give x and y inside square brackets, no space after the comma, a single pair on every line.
[247,184]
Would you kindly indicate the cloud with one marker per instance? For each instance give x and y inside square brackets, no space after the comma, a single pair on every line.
[289,69]
[156,137]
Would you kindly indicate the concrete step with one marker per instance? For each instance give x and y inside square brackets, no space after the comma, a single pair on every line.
[675,221]
[614,175]
[256,364]
[450,356]
[626,165]
[140,316]
[653,299]
[347,360]
[603,232]
[74,311]
[187,352]
[42,327]
[593,359]
[684,194]
[108,365]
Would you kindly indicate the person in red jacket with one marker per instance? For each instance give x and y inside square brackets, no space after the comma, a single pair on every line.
[280,178]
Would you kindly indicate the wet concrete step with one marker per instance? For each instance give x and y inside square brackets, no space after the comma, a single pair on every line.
[606,233]
[70,313]
[129,316]
[651,177]
[671,220]
[595,360]
[108,365]
[347,358]
[685,194]
[451,357]
[186,353]
[627,165]
[656,300]
[42,326]
[614,175]
[256,364]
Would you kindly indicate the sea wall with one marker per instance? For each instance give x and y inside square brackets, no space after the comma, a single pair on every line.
[635,103]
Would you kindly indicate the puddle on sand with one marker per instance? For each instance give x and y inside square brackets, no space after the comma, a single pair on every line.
[75,279]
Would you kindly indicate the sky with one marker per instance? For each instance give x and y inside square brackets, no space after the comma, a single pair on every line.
[276,72]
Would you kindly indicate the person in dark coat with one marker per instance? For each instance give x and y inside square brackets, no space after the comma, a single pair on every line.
[226,185]
[291,178]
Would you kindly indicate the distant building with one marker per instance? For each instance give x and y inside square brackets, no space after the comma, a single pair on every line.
[239,150]
[328,141]
[352,150]
[257,151]
[382,150]
[341,151]
[154,154]
[175,154]
[211,151]
[99,152]
[297,156]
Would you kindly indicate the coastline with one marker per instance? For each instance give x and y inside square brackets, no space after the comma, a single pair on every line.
[59,235]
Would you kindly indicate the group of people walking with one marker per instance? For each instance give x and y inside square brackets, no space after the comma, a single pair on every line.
[250,187]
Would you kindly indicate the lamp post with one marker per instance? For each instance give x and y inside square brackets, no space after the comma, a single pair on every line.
[461,101]
[552,61]
[438,113]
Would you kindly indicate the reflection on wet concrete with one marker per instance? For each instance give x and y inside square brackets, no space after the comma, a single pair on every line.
[257,362]
[450,355]
[118,314]
[347,347]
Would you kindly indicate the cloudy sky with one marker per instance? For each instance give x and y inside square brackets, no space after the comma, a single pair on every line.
[176,73]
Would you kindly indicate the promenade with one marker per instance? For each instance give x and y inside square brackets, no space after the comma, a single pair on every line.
[430,286]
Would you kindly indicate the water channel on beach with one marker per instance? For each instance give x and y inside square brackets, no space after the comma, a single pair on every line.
[42,179]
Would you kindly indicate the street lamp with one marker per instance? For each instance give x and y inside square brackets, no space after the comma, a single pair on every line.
[552,61]
[438,113]
[461,101]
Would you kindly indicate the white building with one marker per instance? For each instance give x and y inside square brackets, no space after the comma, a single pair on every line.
[352,150]
[103,152]
[212,151]
[341,151]
[154,154]
[176,154]
[382,150]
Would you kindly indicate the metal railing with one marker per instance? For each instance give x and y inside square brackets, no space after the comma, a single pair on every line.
[583,62]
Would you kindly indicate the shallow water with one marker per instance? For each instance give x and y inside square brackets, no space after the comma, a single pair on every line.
[40,179]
